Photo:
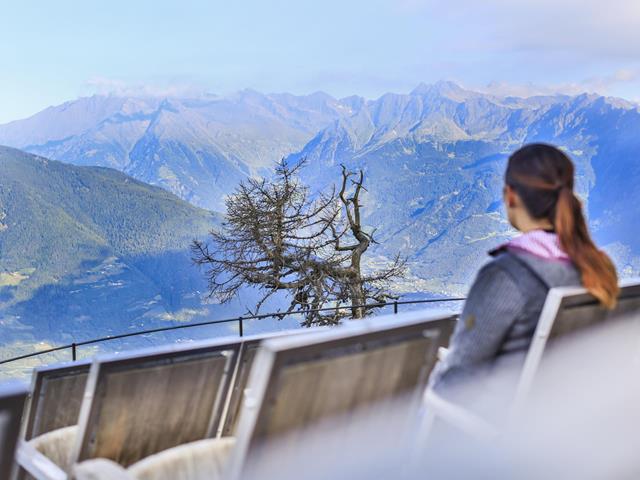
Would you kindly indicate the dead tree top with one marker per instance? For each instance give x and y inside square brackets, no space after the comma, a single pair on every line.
[277,238]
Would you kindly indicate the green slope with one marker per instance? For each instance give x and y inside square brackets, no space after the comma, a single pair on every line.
[87,251]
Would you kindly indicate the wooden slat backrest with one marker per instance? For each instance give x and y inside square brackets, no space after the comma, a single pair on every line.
[248,351]
[581,310]
[302,380]
[55,399]
[12,401]
[568,311]
[139,405]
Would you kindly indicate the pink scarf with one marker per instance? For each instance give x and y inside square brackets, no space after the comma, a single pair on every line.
[542,244]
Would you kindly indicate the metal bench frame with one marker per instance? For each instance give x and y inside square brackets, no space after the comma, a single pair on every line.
[558,299]
[223,414]
[277,352]
[42,468]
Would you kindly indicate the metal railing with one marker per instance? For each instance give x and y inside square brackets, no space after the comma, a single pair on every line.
[240,320]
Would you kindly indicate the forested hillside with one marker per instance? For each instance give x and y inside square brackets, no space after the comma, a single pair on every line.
[86,251]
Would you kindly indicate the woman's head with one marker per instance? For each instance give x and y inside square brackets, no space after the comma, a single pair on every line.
[536,174]
[539,194]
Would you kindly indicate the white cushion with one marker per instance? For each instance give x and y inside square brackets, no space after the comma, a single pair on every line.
[57,445]
[100,469]
[201,460]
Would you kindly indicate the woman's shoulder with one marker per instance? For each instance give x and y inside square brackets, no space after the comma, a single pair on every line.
[499,274]
[504,262]
[526,269]
[496,289]
[509,267]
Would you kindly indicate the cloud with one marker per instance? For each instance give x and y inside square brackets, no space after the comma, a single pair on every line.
[597,84]
[111,86]
[576,27]
[604,83]
[566,46]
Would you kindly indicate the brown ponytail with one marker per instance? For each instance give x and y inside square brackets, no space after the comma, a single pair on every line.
[543,176]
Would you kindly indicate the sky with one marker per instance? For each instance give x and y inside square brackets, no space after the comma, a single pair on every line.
[55,51]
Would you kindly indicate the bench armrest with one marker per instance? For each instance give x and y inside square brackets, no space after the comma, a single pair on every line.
[38,466]
[442,353]
[459,417]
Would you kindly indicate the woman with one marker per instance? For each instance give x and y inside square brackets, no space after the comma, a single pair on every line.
[554,249]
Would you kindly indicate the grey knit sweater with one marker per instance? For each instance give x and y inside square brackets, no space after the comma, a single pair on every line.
[500,315]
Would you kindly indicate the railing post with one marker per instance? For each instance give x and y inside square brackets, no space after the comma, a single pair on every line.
[240,327]
[395,307]
[74,353]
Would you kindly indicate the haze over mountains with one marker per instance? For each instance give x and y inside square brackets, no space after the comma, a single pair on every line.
[434,160]
[198,148]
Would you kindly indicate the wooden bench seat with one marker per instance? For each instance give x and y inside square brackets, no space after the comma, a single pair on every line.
[298,381]
[139,404]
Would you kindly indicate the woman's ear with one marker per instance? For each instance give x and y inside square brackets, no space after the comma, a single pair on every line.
[510,197]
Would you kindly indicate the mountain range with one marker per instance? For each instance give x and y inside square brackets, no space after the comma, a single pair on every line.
[196,148]
[433,159]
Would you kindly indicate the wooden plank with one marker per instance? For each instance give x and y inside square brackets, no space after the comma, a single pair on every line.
[56,397]
[139,405]
[573,316]
[248,351]
[309,391]
[177,403]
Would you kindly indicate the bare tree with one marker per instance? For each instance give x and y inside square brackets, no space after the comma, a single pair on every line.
[277,238]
